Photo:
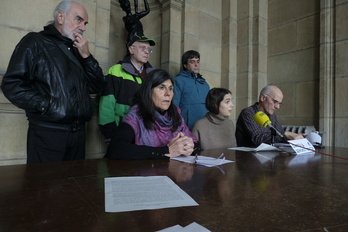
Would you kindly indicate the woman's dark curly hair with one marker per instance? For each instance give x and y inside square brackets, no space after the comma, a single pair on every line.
[143,99]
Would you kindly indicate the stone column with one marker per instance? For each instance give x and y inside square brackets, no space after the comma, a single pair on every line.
[229,50]
[252,42]
[327,72]
[171,35]
[99,29]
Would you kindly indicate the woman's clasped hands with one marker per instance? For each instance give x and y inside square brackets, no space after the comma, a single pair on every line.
[180,145]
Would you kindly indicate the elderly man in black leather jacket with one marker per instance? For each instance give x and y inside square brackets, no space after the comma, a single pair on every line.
[50,75]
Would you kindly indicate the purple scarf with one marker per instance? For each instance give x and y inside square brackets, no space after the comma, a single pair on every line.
[161,134]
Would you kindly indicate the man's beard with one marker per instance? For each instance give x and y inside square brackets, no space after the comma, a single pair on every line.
[70,34]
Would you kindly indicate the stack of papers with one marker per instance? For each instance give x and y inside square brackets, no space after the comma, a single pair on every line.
[298,146]
[202,160]
[262,147]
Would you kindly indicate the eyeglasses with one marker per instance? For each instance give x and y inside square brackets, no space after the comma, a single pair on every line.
[143,48]
[274,100]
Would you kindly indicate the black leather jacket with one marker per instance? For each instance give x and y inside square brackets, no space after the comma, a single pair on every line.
[49,80]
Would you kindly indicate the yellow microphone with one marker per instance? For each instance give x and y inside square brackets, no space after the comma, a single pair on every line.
[263,120]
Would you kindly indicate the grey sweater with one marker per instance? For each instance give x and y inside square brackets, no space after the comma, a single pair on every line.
[214,131]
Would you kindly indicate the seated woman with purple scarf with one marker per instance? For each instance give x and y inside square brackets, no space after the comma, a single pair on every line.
[153,127]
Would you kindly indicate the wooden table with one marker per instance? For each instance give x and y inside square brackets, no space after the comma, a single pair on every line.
[252,194]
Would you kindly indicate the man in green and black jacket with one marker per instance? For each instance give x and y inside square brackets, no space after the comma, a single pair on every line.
[123,81]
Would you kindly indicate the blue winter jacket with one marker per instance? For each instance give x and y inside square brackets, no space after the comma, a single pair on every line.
[189,95]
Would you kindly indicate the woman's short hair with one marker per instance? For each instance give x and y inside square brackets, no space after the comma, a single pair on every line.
[214,98]
[189,55]
[146,106]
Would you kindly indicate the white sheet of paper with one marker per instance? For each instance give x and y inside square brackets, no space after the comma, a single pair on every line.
[193,227]
[261,147]
[211,162]
[186,159]
[301,146]
[171,229]
[138,193]
[202,160]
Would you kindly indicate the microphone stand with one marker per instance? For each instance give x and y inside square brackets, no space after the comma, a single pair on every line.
[273,134]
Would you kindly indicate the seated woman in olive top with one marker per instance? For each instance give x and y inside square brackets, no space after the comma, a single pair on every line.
[153,127]
[215,130]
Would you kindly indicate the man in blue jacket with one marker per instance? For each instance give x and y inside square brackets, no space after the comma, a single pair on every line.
[191,89]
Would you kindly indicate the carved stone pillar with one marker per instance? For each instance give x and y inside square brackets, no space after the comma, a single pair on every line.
[252,54]
[327,72]
[171,35]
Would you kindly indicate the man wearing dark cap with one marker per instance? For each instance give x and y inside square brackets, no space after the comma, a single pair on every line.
[123,80]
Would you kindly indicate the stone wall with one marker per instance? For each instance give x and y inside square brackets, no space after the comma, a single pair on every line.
[293,58]
[340,73]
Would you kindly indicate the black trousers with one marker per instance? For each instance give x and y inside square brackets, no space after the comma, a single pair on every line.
[53,146]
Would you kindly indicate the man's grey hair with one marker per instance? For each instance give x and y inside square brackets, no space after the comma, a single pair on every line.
[63,6]
[267,90]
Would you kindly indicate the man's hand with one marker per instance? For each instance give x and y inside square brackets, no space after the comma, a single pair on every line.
[292,135]
[81,43]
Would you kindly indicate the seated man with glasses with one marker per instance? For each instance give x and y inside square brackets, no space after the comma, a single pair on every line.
[249,133]
[123,80]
